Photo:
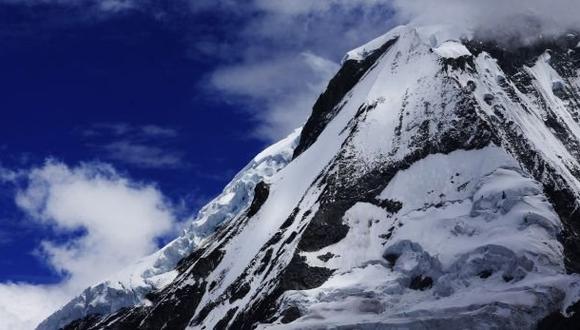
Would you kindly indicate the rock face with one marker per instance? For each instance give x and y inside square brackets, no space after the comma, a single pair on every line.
[435,186]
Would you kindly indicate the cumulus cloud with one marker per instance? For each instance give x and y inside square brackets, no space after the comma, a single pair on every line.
[23,306]
[113,222]
[286,86]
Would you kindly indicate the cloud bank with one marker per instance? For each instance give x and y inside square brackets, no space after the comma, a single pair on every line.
[113,222]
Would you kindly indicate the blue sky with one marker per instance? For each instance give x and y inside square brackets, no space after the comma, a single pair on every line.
[126,117]
[83,91]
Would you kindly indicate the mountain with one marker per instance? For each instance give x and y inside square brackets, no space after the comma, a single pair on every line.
[435,185]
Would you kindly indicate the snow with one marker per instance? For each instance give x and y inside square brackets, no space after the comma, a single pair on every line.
[451,238]
[290,187]
[238,194]
[529,117]
[453,176]
[463,213]
[452,49]
[282,148]
[432,35]
[436,34]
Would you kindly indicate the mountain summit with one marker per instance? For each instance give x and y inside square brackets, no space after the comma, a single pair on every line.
[435,185]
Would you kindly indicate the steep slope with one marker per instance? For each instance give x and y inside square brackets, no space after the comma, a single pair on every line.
[435,185]
[131,286]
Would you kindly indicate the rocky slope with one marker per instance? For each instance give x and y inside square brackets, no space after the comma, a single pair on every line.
[435,186]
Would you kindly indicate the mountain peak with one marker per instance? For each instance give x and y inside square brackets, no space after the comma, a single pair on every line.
[431,35]
[437,180]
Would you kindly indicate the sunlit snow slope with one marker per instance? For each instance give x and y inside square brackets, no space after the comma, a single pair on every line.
[435,186]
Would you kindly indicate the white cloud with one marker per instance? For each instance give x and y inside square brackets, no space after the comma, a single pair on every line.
[301,7]
[295,7]
[23,306]
[121,220]
[287,87]
[104,129]
[115,5]
[7,175]
[495,18]
[122,129]
[142,155]
[274,78]
[145,146]
[158,131]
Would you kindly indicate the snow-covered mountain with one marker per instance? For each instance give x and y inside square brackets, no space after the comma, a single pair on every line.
[435,185]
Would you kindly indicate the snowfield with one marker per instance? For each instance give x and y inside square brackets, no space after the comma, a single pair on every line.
[474,233]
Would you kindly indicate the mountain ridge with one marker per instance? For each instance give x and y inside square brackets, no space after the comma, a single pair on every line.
[437,181]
